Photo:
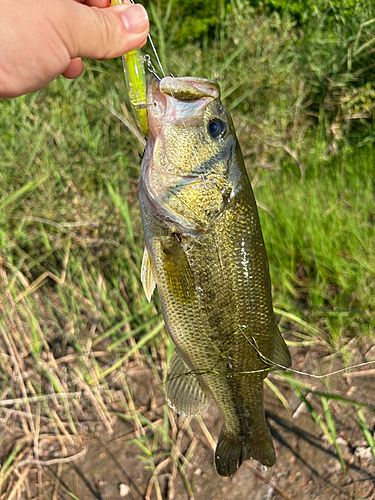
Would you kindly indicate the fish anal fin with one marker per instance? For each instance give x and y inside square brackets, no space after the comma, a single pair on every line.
[177,270]
[232,451]
[147,275]
[280,353]
[185,392]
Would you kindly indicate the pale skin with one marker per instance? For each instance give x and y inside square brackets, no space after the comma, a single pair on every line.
[42,39]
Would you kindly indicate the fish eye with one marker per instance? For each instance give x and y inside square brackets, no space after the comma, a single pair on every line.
[217,128]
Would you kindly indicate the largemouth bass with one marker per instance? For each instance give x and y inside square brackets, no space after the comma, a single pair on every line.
[206,255]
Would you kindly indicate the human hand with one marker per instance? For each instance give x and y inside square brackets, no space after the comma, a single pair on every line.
[41,39]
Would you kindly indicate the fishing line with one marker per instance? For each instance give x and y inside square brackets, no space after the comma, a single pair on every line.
[326,374]
[233,374]
[156,54]
[270,362]
[265,359]
[153,48]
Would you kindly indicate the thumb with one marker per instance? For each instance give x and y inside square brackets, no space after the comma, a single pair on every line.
[104,33]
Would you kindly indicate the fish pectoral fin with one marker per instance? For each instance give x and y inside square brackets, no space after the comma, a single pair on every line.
[177,270]
[185,393]
[232,451]
[147,275]
[280,353]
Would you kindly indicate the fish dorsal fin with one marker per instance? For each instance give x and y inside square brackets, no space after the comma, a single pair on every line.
[279,351]
[177,271]
[147,275]
[185,393]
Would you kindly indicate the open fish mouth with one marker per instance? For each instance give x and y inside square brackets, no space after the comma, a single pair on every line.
[179,101]
[189,88]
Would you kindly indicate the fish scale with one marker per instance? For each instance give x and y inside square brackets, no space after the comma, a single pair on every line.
[205,253]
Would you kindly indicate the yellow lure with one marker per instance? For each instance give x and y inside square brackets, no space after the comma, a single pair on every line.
[136,82]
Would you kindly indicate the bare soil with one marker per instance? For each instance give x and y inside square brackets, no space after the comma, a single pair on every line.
[307,465]
[105,463]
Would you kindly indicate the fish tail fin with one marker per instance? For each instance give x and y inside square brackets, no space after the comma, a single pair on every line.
[232,451]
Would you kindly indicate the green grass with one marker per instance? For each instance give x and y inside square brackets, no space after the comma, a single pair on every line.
[73,313]
[321,241]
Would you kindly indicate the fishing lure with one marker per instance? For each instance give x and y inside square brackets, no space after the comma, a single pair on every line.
[136,82]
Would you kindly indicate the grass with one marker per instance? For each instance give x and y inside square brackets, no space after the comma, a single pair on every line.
[74,319]
[325,262]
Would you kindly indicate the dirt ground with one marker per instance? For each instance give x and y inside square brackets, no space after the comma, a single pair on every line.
[307,465]
[107,464]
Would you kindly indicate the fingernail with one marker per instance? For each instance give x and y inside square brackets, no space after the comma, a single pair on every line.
[135,19]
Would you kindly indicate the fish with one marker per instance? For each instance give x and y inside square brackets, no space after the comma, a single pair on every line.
[205,253]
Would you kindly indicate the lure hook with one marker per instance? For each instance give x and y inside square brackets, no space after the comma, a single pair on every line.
[147,59]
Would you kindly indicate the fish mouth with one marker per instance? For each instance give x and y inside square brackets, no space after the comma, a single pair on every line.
[189,88]
[179,101]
